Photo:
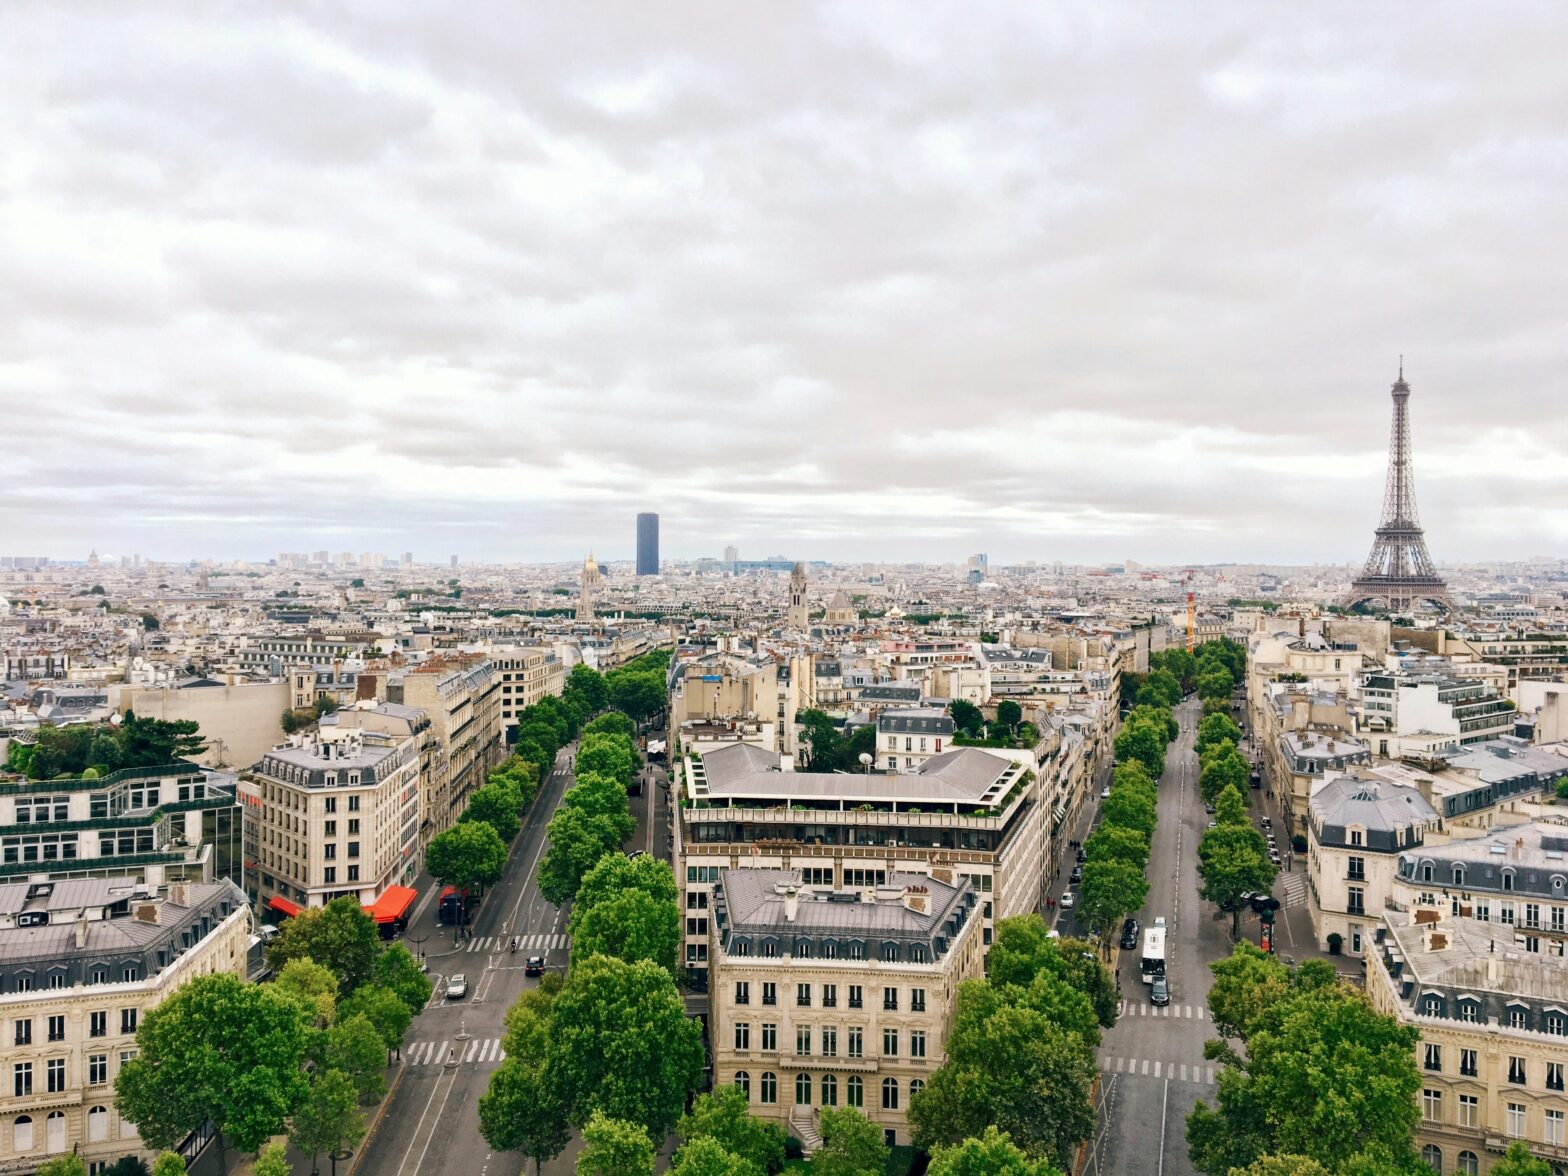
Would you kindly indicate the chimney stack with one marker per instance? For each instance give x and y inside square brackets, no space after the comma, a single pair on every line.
[81,931]
[791,903]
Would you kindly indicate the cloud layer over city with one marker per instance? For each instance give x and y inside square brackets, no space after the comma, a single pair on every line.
[852,281]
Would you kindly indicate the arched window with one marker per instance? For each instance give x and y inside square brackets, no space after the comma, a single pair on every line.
[97,1124]
[55,1128]
[1508,879]
[743,1080]
[803,1090]
[22,1134]
[890,1094]
[1426,871]
[1432,1157]
[829,1090]
[1459,875]
[769,1092]
[915,1087]
[1468,1164]
[855,1091]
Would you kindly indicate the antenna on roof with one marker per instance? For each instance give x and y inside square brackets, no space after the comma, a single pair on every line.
[1401,367]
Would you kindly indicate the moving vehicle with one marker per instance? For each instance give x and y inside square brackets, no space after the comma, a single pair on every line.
[1076,876]
[1105,792]
[1067,900]
[457,987]
[1160,992]
[455,906]
[1129,934]
[534,966]
[1152,966]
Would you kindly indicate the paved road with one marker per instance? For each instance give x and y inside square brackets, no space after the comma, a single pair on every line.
[433,1122]
[1152,1067]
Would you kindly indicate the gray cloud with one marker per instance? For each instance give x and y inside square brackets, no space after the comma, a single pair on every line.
[882,281]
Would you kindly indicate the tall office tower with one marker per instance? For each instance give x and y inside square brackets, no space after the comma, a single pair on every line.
[454,562]
[731,554]
[408,559]
[647,544]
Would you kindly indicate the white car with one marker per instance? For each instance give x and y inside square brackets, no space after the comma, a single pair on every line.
[1067,900]
[457,987]
[1105,792]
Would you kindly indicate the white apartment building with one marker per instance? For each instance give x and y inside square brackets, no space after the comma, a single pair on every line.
[908,737]
[1426,711]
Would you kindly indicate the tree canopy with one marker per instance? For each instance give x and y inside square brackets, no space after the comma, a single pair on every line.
[1233,860]
[468,854]
[852,1145]
[723,1116]
[614,1147]
[992,1154]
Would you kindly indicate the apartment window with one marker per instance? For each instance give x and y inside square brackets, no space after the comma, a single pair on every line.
[1553,1124]
[917,1043]
[1483,909]
[1518,1019]
[1469,1110]
[830,996]
[1469,1165]
[130,973]
[1505,913]
[127,1021]
[1557,919]
[696,926]
[353,874]
[743,992]
[332,804]
[917,1000]
[768,1087]
[329,852]
[803,1041]
[803,996]
[742,1035]
[802,1090]
[770,1038]
[329,874]
[353,826]
[855,1091]
[331,830]
[1432,1006]
[1467,1063]
[855,1001]
[1356,869]
[1556,1024]
[1515,1117]
[57,1028]
[1532,915]
[1554,1075]
[56,1075]
[353,849]
[24,1032]
[890,1000]
[1355,837]
[1432,1106]
[1508,880]
[353,804]
[1355,900]
[1434,1058]
[829,1090]
[829,1041]
[890,1094]
[97,1069]
[98,1024]
[856,1042]
[890,1043]
[1469,1012]
[743,1080]
[1516,1071]
[22,1079]
[770,993]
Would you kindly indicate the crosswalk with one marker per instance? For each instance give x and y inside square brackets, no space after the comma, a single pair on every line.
[1152,1068]
[1293,890]
[525,943]
[1139,1009]
[477,1050]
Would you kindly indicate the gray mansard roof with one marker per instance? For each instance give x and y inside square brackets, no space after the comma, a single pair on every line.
[1440,968]
[1533,857]
[1383,810]
[913,722]
[743,772]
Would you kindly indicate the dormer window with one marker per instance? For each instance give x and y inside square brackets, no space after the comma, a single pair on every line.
[1459,875]
[1508,879]
[1356,837]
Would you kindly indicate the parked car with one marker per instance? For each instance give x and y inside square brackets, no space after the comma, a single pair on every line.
[1209,808]
[1268,822]
[1067,900]
[1083,856]
[1129,934]
[1076,876]
[1105,792]
[457,987]
[1214,824]
[1160,992]
[534,966]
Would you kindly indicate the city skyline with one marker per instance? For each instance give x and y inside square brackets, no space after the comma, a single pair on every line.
[1010,302]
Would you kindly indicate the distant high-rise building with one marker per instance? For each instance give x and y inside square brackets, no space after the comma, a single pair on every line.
[454,562]
[731,554]
[408,559]
[647,544]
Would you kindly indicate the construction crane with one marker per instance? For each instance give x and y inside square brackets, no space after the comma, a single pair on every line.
[1192,614]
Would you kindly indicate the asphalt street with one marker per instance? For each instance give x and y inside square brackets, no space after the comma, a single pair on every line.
[432,1124]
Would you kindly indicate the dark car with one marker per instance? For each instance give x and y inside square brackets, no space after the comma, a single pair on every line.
[1077,875]
[1160,992]
[1083,856]
[534,966]
[1129,934]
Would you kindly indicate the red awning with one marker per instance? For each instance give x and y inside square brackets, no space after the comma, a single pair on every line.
[283,906]
[393,904]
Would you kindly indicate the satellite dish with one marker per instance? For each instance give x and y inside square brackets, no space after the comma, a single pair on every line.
[865,759]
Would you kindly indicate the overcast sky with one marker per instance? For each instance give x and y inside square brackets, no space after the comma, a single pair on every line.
[857,281]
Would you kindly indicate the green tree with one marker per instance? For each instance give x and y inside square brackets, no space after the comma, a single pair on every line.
[1285,1166]
[1111,890]
[221,1051]
[600,796]
[310,985]
[356,1049]
[608,755]
[1160,688]
[992,1154]
[468,854]
[1119,843]
[966,716]
[1232,861]
[640,695]
[631,927]
[498,807]
[1144,742]
[398,970]
[1124,807]
[67,1165]
[587,684]
[1009,714]
[1159,716]
[1323,1075]
[723,1116]
[521,1112]
[170,1163]
[1022,949]
[621,1043]
[383,1008]
[328,1117]
[1013,1067]
[1517,1161]
[1216,683]
[1221,767]
[615,874]
[1215,728]
[578,840]
[852,1145]
[339,936]
[272,1160]
[614,1147]
[708,1157]
[611,723]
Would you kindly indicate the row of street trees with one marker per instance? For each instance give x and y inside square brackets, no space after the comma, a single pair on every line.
[300,1055]
[595,816]
[1020,1058]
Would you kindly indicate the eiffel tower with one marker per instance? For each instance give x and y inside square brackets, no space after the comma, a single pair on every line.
[1399,573]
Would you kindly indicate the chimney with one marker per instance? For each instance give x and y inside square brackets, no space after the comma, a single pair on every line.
[791,903]
[81,931]
[917,899]
[180,893]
